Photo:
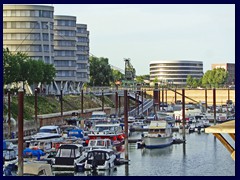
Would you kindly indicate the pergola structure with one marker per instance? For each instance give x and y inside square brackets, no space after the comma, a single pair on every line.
[226,127]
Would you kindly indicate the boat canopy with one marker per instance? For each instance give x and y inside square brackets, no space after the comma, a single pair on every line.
[37,169]
[158,125]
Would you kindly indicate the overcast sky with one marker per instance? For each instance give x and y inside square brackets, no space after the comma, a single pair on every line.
[152,32]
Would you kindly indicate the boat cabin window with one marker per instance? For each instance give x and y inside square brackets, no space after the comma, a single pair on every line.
[100,143]
[156,130]
[9,155]
[96,155]
[108,143]
[78,152]
[48,131]
[100,129]
[68,153]
[92,143]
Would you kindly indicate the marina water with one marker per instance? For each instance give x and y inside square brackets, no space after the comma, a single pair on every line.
[201,155]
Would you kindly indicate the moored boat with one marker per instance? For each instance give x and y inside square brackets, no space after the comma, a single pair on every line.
[114,132]
[68,156]
[159,135]
[100,159]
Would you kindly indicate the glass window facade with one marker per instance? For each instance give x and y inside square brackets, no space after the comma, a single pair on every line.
[175,72]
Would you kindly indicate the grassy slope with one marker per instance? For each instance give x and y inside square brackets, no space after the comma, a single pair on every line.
[51,104]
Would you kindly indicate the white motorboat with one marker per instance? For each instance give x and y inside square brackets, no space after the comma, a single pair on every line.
[100,159]
[48,132]
[99,144]
[159,135]
[68,156]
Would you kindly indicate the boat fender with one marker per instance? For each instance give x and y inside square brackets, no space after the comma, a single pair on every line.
[159,135]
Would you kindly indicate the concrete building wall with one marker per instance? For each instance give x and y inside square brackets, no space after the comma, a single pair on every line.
[65,50]
[83,70]
[58,40]
[29,29]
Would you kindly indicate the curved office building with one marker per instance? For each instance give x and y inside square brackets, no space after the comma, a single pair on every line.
[175,72]
[29,29]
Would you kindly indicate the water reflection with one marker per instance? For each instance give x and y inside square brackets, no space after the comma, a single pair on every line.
[202,155]
[184,148]
[157,151]
[108,172]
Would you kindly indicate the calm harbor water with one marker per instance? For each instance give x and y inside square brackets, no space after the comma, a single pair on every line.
[202,155]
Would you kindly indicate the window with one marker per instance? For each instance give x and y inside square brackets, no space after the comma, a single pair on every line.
[66,33]
[66,23]
[65,53]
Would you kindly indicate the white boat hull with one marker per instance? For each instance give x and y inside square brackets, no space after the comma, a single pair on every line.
[157,142]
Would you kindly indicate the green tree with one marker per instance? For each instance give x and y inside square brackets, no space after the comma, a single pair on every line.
[215,78]
[11,68]
[100,72]
[195,82]
[21,68]
[189,81]
[155,80]
[140,79]
[49,73]
[117,76]
[36,72]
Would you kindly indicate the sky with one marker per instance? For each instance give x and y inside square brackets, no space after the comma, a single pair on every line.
[155,32]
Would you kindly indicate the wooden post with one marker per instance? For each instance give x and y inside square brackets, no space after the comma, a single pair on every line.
[214,105]
[35,107]
[166,95]
[119,107]
[175,95]
[136,103]
[102,101]
[206,99]
[228,94]
[82,102]
[61,101]
[20,130]
[183,113]
[142,101]
[9,113]
[128,101]
[159,101]
[126,123]
[162,97]
[116,102]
